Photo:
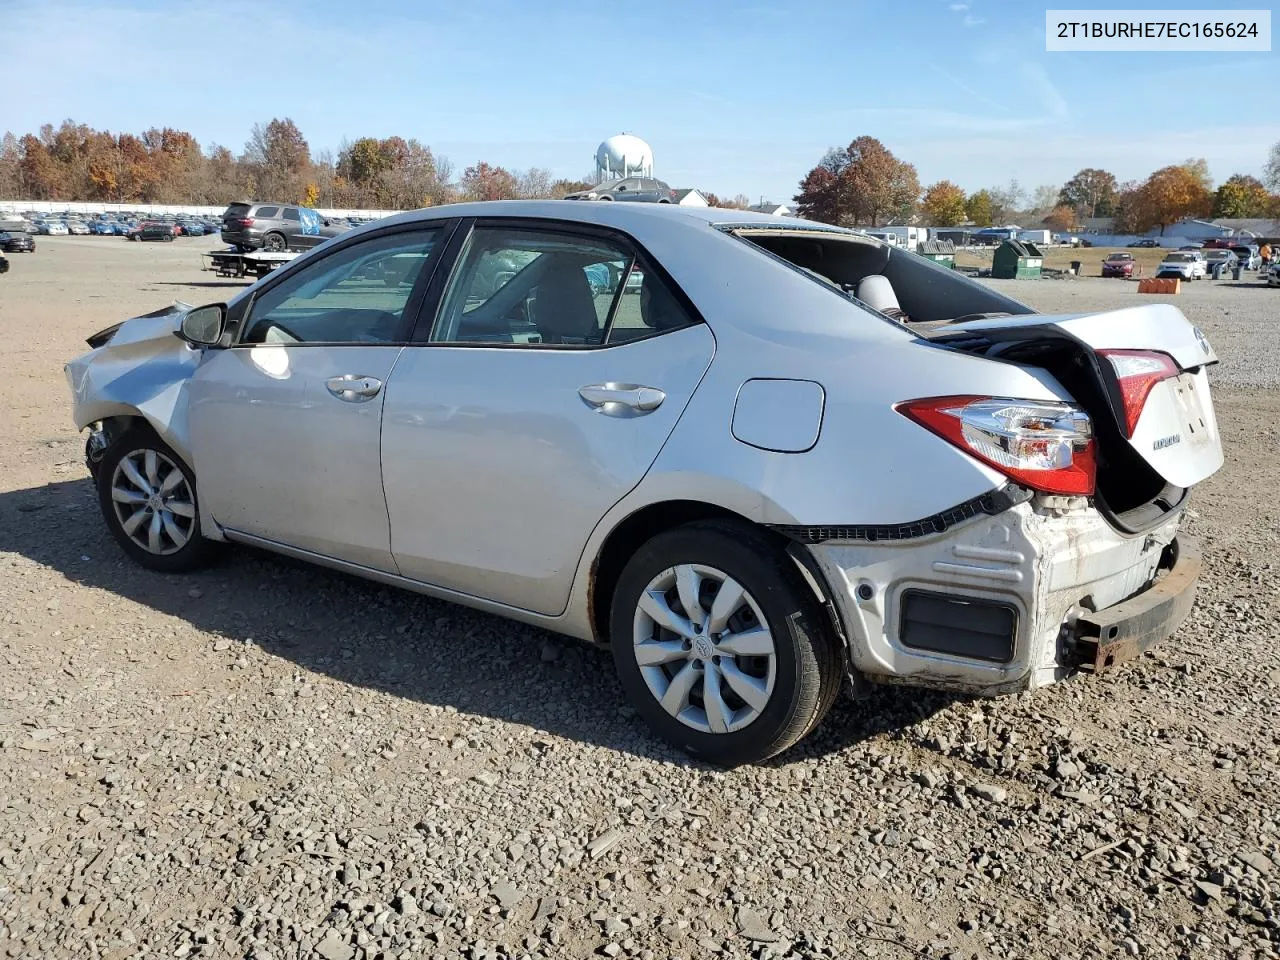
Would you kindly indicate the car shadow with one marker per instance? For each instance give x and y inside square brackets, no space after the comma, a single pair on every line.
[394,641]
[238,284]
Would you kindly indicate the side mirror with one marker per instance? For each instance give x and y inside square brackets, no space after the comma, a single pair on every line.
[203,326]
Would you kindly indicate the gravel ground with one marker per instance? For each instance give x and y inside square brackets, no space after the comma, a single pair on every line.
[271,761]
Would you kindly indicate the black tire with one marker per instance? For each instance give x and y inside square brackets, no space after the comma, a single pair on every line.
[605,197]
[275,243]
[808,661]
[197,551]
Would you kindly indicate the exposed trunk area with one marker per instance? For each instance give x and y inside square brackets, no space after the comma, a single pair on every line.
[1130,493]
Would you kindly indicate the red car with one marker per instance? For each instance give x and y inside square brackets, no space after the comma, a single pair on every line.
[1119,265]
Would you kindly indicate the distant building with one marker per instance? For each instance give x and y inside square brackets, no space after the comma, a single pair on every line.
[690,198]
[772,209]
[1250,226]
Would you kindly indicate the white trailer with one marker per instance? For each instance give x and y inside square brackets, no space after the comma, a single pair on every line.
[1038,237]
[909,237]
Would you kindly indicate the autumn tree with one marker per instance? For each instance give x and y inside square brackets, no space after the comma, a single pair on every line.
[278,156]
[485,182]
[944,204]
[1169,195]
[1091,193]
[978,206]
[862,184]
[1241,196]
[1062,218]
[561,188]
[819,197]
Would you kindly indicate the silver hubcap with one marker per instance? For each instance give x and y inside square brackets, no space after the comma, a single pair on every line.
[704,648]
[153,502]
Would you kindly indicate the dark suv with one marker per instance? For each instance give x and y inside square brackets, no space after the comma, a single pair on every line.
[645,189]
[276,227]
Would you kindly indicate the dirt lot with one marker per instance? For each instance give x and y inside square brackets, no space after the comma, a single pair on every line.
[270,761]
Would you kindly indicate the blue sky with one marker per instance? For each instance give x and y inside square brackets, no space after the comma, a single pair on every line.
[733,97]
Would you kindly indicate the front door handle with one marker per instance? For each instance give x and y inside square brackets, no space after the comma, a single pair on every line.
[353,388]
[632,396]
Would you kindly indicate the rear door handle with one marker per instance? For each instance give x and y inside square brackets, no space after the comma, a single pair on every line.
[632,396]
[353,387]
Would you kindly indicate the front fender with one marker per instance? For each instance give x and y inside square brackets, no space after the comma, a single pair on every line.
[142,371]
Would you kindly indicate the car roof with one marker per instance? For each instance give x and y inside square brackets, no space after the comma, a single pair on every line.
[623,216]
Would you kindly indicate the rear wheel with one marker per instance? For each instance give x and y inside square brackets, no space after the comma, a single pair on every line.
[274,243]
[148,499]
[720,645]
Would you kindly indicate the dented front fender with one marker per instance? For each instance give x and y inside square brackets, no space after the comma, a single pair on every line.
[142,370]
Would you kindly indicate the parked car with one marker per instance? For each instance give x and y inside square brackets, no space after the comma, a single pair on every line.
[276,227]
[151,230]
[191,228]
[1248,256]
[1270,274]
[645,189]
[53,228]
[4,263]
[1183,264]
[1145,242]
[77,228]
[17,242]
[1223,260]
[990,505]
[1119,265]
[1191,246]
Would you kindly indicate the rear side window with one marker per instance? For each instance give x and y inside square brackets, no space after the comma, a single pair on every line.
[267,213]
[291,213]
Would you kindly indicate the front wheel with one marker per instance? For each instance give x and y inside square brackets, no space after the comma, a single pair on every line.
[720,645]
[148,499]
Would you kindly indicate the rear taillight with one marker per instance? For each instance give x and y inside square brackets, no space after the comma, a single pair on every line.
[1138,371]
[245,221]
[1045,445]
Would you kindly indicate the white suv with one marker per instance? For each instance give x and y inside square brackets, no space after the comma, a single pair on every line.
[1184,264]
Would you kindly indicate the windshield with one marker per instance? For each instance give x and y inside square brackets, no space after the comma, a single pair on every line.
[1179,258]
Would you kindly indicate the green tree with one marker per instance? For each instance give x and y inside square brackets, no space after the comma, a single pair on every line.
[1241,196]
[1091,192]
[978,207]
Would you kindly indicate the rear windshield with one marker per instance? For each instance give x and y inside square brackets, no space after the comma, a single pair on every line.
[236,210]
[1180,258]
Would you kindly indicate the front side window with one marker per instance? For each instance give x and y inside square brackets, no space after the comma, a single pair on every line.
[356,296]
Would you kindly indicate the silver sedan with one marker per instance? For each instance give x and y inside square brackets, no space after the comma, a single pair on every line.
[761,458]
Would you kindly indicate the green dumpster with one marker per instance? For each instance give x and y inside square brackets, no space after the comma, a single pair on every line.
[939,251]
[1017,260]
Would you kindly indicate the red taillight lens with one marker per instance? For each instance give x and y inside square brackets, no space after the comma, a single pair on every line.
[1045,445]
[1138,371]
[245,221]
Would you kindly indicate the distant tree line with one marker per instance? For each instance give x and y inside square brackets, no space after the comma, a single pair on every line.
[864,184]
[75,162]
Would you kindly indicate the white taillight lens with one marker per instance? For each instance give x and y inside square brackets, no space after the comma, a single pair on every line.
[1046,445]
[1138,371]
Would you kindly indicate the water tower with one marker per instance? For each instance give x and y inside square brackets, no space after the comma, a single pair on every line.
[623,156]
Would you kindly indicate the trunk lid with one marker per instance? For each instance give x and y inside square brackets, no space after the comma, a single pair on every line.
[1173,433]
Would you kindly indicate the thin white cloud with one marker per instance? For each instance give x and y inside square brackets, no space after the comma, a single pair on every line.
[971,21]
[959,7]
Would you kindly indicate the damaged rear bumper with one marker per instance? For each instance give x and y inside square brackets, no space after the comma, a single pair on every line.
[1007,602]
[1125,631]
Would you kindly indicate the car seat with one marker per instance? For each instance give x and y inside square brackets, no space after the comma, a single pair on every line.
[564,310]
